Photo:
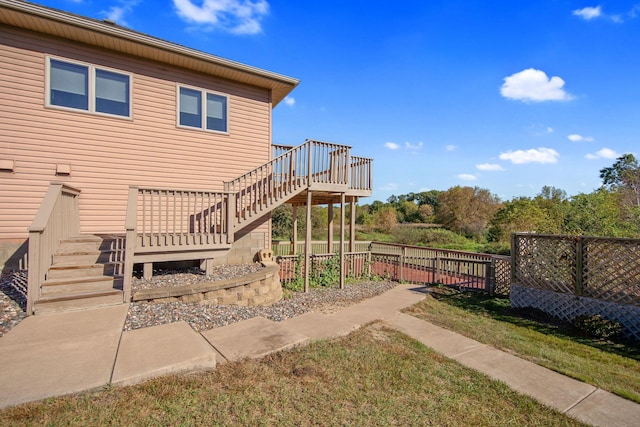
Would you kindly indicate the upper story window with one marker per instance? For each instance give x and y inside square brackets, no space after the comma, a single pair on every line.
[198,108]
[88,88]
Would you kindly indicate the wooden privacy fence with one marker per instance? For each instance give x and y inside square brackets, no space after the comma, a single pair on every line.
[570,276]
[412,264]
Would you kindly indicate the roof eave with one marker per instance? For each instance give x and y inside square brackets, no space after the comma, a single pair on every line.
[110,36]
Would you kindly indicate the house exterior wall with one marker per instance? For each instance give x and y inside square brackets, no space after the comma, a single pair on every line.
[105,154]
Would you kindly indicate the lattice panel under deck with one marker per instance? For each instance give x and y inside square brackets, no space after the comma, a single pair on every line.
[567,307]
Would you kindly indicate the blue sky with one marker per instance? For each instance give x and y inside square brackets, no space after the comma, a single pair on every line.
[504,95]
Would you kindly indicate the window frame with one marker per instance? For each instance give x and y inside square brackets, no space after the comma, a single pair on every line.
[92,71]
[203,109]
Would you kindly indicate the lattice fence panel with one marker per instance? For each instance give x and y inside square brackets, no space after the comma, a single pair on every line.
[567,307]
[502,276]
[545,262]
[611,270]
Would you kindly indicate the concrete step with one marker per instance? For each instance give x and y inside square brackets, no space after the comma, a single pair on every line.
[77,301]
[81,284]
[70,271]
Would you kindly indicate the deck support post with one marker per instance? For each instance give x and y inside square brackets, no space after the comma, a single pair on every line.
[307,245]
[147,272]
[341,240]
[294,232]
[352,224]
[330,229]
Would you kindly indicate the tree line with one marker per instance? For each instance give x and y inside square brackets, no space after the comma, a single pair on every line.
[612,210]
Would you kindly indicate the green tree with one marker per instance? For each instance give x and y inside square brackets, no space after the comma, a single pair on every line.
[466,210]
[595,214]
[624,177]
[521,214]
[385,219]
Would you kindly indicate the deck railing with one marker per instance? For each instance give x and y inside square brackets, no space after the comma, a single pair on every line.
[361,173]
[165,220]
[314,163]
[57,219]
[412,264]
[317,247]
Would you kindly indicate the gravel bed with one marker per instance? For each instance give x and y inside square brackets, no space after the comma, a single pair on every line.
[208,316]
[13,299]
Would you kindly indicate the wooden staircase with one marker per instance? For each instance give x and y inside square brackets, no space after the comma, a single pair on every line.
[82,275]
[165,224]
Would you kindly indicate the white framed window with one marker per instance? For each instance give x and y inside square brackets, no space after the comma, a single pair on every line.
[85,87]
[202,109]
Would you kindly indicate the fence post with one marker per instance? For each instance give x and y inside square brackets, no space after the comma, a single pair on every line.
[437,268]
[401,263]
[579,264]
[369,260]
[490,281]
[514,256]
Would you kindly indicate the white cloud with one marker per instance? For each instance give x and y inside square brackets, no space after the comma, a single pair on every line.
[409,146]
[490,167]
[577,138]
[540,155]
[116,13]
[290,101]
[534,85]
[467,177]
[451,147]
[389,187]
[588,13]
[391,145]
[605,153]
[234,16]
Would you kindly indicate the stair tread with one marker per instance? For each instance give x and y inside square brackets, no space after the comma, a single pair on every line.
[83,238]
[74,280]
[67,296]
[76,266]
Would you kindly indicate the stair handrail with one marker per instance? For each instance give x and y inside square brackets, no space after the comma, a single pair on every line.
[313,162]
[58,218]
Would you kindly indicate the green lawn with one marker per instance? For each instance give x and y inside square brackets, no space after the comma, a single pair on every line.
[611,366]
[373,377]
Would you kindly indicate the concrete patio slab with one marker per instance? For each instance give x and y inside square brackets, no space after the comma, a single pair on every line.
[319,326]
[160,350]
[57,354]
[602,408]
[252,338]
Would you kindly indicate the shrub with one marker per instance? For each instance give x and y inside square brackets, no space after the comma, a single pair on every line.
[597,326]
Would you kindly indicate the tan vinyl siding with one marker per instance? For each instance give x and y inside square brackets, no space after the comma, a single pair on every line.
[108,154]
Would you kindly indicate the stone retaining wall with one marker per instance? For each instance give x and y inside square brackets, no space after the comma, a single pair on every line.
[260,288]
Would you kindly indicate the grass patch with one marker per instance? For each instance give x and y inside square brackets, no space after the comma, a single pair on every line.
[536,337]
[374,376]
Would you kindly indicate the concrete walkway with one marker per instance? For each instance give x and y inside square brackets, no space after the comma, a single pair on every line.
[57,354]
